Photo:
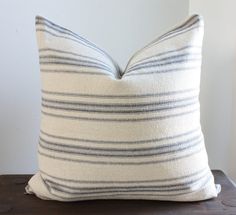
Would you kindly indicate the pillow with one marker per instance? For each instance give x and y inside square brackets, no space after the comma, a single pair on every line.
[113,134]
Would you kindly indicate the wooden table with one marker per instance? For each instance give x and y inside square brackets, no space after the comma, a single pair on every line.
[14,201]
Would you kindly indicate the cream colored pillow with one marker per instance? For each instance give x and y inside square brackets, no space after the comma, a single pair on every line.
[112,134]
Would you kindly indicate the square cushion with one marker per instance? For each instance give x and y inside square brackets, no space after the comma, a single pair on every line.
[112,134]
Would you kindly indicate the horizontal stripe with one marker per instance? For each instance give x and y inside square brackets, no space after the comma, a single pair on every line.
[161,149]
[125,195]
[59,29]
[173,33]
[164,187]
[166,61]
[68,38]
[53,59]
[181,55]
[163,117]
[189,23]
[113,191]
[76,65]
[78,38]
[122,142]
[43,50]
[132,111]
[159,66]
[48,23]
[115,96]
[123,182]
[119,105]
[109,162]
[157,71]
[60,59]
[75,40]
[149,196]
[165,53]
[171,36]
[178,34]
[179,31]
[62,30]
[121,153]
[127,190]
[72,72]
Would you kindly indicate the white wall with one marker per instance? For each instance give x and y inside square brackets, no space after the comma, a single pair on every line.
[119,26]
[218,80]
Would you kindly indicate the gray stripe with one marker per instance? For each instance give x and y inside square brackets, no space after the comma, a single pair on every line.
[48,23]
[156,71]
[73,54]
[122,191]
[143,60]
[79,39]
[130,187]
[119,120]
[132,111]
[159,66]
[128,190]
[164,148]
[76,64]
[127,96]
[62,30]
[130,195]
[189,23]
[72,72]
[120,163]
[171,36]
[175,32]
[142,194]
[122,153]
[75,40]
[122,142]
[125,182]
[185,27]
[175,59]
[54,58]
[179,59]
[120,105]
[122,196]
[68,38]
[166,187]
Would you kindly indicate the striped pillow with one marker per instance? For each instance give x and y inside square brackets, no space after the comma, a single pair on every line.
[112,134]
